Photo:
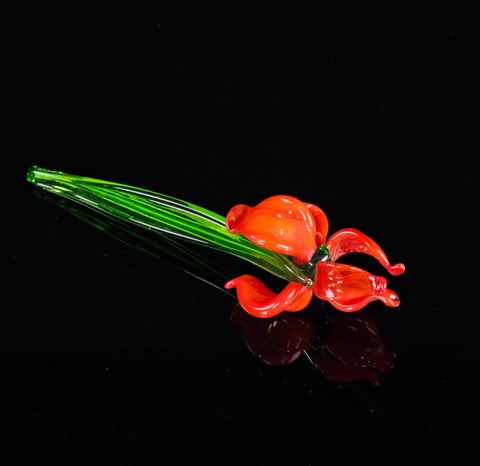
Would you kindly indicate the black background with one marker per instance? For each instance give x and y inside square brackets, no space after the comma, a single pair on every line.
[110,356]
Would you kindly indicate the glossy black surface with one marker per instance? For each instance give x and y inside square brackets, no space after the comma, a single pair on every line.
[113,357]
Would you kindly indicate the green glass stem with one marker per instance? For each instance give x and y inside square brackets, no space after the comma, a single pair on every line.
[165,215]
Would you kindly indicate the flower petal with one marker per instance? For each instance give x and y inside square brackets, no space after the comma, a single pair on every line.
[351,240]
[321,223]
[279,223]
[350,288]
[260,301]
[234,217]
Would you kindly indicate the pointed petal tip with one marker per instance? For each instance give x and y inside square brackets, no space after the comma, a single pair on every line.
[390,298]
[397,269]
[230,284]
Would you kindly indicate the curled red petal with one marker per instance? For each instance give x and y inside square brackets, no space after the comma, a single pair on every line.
[234,217]
[279,223]
[321,223]
[259,301]
[350,288]
[351,240]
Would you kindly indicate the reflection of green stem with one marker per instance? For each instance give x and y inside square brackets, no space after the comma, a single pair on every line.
[157,245]
[164,215]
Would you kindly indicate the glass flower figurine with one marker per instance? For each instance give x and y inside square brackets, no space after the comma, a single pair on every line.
[288,226]
[281,234]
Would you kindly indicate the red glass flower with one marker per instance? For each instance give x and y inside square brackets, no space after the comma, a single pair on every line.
[288,226]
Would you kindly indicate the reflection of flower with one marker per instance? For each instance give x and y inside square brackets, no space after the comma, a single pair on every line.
[277,341]
[354,350]
[288,226]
